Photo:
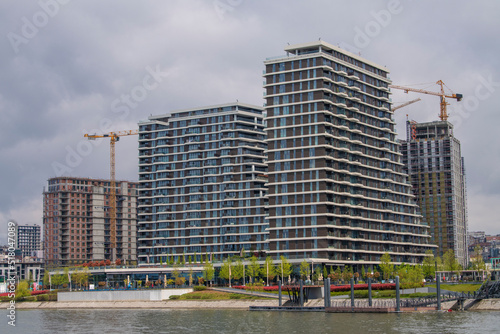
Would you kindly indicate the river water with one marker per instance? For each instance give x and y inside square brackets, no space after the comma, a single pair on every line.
[238,321]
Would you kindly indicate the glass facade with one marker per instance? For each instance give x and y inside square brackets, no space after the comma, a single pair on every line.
[203,183]
[337,190]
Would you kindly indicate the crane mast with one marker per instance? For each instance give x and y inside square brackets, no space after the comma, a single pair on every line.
[113,138]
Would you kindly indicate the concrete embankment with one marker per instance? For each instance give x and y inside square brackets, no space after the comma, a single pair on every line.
[171,304]
[483,305]
[486,305]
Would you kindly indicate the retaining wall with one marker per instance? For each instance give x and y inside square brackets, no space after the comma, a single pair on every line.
[120,295]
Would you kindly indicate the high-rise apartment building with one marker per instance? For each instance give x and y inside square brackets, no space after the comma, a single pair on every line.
[202,176]
[27,239]
[77,224]
[337,190]
[433,160]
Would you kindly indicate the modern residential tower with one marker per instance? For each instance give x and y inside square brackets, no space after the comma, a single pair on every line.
[433,160]
[202,176]
[77,225]
[337,190]
[27,239]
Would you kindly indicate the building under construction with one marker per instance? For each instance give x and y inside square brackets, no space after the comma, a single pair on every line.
[76,221]
[434,162]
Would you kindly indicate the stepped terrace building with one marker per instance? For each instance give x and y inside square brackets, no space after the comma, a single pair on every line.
[433,159]
[202,175]
[76,221]
[337,190]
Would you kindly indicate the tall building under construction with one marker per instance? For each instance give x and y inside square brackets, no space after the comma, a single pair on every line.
[338,193]
[76,221]
[434,161]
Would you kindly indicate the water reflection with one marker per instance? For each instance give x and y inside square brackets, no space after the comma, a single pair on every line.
[237,321]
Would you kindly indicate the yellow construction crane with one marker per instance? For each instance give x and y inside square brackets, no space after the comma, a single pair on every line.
[405,104]
[114,137]
[443,115]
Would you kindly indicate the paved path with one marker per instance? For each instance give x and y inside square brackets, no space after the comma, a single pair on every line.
[252,293]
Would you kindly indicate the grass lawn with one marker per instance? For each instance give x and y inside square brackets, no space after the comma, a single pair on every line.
[459,287]
[210,294]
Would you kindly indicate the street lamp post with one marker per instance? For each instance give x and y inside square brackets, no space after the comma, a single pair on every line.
[267,271]
[229,274]
[282,278]
[438,287]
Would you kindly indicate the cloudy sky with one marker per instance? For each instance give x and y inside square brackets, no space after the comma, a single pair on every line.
[72,67]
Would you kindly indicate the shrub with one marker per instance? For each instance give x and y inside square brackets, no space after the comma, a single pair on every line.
[378,286]
[38,292]
[42,298]
[5,299]
[385,294]
[173,297]
[199,288]
[53,297]
[235,296]
[361,294]
[189,296]
[180,280]
[30,299]
[22,289]
[418,295]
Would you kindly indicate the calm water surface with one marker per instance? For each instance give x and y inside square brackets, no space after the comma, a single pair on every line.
[234,321]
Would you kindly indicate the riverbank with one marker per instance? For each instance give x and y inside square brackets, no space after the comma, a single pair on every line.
[170,304]
[483,305]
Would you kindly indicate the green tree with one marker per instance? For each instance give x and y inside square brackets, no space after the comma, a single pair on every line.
[191,276]
[268,270]
[225,271]
[477,261]
[66,275]
[347,273]
[46,280]
[317,274]
[56,280]
[305,270]
[386,265]
[285,268]
[208,271]
[338,274]
[450,262]
[75,276]
[195,257]
[253,268]
[176,274]
[189,259]
[22,289]
[237,270]
[410,276]
[429,264]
